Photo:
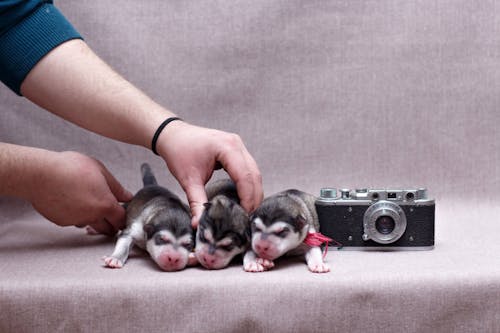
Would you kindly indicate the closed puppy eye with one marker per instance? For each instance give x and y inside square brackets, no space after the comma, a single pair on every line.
[227,248]
[282,233]
[160,240]
[187,245]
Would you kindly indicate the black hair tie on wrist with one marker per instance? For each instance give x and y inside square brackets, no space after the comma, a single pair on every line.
[158,132]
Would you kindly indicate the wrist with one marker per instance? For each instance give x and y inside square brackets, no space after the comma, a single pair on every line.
[166,142]
[158,132]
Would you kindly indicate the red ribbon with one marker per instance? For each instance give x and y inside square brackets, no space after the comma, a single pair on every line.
[316,239]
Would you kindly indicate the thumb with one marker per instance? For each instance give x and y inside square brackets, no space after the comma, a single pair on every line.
[121,194]
[196,196]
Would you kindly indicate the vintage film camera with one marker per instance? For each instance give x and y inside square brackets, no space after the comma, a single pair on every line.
[367,219]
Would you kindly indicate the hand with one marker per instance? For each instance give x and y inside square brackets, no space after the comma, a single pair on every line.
[74,189]
[192,153]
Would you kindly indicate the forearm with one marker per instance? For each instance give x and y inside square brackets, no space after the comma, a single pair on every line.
[20,169]
[75,84]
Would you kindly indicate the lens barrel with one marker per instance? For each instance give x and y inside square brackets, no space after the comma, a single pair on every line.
[384,222]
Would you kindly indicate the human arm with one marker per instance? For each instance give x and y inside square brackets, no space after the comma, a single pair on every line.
[72,82]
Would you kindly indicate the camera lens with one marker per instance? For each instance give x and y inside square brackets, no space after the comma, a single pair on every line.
[385,225]
[384,222]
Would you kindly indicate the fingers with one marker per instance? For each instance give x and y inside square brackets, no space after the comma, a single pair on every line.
[115,216]
[112,222]
[103,227]
[114,213]
[196,195]
[244,171]
[256,181]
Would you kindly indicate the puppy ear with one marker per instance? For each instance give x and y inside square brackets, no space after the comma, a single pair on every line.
[300,222]
[149,230]
[251,217]
[248,234]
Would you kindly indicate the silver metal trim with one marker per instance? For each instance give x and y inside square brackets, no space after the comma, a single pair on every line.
[357,202]
[382,248]
[403,196]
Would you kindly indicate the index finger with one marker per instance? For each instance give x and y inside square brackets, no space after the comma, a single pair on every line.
[195,192]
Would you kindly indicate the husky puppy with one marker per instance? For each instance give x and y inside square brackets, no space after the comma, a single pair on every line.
[224,228]
[158,222]
[280,226]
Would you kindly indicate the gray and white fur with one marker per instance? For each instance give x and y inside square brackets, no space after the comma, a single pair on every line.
[224,228]
[279,226]
[158,222]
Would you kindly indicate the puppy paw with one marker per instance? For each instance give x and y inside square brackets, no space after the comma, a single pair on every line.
[112,262]
[267,264]
[319,267]
[192,260]
[253,267]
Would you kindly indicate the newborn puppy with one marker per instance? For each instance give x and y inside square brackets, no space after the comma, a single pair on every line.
[158,222]
[223,231]
[280,226]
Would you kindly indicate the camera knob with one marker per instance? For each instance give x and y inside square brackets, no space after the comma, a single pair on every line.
[345,193]
[421,193]
[328,193]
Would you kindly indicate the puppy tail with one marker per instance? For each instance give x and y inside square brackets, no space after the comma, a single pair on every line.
[148,178]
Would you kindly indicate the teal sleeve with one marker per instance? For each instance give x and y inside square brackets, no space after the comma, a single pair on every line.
[28,40]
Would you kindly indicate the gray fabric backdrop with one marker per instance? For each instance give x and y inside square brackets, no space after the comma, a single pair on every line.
[324,93]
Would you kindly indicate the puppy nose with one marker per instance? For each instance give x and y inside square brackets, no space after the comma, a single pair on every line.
[209,259]
[262,248]
[173,259]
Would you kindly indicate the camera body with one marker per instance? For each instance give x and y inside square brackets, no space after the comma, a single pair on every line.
[389,219]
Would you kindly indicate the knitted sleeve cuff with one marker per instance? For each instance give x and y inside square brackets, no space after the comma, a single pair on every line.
[26,43]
